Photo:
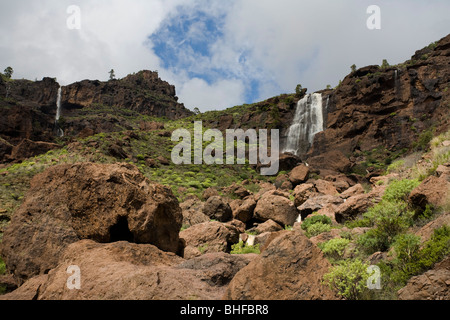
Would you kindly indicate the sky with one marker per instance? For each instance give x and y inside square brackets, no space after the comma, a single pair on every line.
[218,54]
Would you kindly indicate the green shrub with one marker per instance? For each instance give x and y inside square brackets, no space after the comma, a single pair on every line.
[2,267]
[348,279]
[335,248]
[410,261]
[400,189]
[242,248]
[309,221]
[406,248]
[390,219]
[195,184]
[424,140]
[317,228]
[395,166]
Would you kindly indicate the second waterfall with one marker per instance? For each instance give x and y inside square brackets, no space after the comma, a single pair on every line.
[59,131]
[308,121]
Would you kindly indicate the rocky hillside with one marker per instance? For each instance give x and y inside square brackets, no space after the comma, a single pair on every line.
[28,109]
[369,201]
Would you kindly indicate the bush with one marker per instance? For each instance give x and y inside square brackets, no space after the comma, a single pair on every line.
[349,279]
[395,166]
[242,248]
[390,219]
[308,222]
[317,228]
[335,248]
[410,261]
[400,189]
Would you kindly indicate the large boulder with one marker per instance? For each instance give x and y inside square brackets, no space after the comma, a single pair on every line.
[333,160]
[127,271]
[104,203]
[299,174]
[433,191]
[218,209]
[206,238]
[291,268]
[192,210]
[303,192]
[317,203]
[432,285]
[358,204]
[277,208]
[245,211]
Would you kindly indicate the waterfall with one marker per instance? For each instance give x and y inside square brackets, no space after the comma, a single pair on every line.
[308,121]
[58,105]
[59,131]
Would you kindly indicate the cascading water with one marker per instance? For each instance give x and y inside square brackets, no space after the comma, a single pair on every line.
[59,131]
[308,121]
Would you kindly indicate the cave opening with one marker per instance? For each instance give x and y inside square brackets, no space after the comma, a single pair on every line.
[120,231]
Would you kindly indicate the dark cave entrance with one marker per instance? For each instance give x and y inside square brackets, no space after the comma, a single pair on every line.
[120,231]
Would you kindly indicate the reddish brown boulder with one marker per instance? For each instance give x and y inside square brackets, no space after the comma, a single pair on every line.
[277,208]
[210,192]
[353,191]
[218,209]
[126,271]
[303,192]
[105,203]
[268,226]
[358,204]
[317,203]
[291,268]
[151,126]
[325,187]
[192,211]
[299,174]
[432,191]
[245,211]
[206,238]
[426,232]
[432,285]
[333,160]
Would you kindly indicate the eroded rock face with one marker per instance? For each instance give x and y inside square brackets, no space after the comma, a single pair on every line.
[372,107]
[206,238]
[143,92]
[273,206]
[127,271]
[432,191]
[291,268]
[104,203]
[218,209]
[432,285]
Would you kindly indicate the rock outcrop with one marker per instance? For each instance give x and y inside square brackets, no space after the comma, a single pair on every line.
[291,268]
[432,285]
[128,271]
[387,107]
[143,92]
[104,203]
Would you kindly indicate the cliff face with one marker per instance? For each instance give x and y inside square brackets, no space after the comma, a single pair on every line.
[389,107]
[28,108]
[143,92]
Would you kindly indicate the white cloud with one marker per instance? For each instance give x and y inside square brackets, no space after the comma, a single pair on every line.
[212,96]
[276,44]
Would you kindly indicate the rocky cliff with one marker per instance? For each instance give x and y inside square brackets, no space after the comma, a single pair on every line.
[389,106]
[28,108]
